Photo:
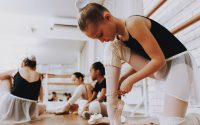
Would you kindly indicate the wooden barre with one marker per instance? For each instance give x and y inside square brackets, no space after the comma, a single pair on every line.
[186,24]
[182,26]
[61,83]
[156,7]
[58,76]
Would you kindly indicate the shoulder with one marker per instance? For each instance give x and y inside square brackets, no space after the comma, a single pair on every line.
[137,21]
[138,27]
[96,84]
[13,72]
[41,76]
[104,83]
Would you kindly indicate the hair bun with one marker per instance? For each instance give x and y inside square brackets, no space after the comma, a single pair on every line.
[31,57]
[82,3]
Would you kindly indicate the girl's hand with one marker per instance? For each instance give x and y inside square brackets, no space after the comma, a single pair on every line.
[125,87]
[120,81]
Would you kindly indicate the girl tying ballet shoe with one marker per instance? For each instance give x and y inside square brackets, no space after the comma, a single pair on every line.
[19,99]
[152,51]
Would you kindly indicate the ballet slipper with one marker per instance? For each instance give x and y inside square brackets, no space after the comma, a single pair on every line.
[63,110]
[98,119]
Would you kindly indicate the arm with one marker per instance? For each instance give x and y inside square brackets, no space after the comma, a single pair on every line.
[142,34]
[7,74]
[41,90]
[126,75]
[103,95]
[41,94]
[89,91]
[94,96]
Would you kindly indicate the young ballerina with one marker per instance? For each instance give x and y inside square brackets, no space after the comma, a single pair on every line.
[82,93]
[89,103]
[19,100]
[152,51]
[97,73]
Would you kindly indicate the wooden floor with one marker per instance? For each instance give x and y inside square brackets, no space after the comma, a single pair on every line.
[50,119]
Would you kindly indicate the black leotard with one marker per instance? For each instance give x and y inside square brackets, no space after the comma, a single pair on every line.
[168,43]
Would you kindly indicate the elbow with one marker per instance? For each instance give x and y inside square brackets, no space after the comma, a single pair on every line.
[161,62]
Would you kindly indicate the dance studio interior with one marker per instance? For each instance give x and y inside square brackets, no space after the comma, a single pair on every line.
[69,64]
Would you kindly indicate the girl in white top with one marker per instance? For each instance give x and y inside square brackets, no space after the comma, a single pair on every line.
[82,93]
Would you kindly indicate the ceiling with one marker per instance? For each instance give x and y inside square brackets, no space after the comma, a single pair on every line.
[35,20]
[55,8]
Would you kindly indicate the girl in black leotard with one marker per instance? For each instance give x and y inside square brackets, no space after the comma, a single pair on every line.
[152,51]
[21,103]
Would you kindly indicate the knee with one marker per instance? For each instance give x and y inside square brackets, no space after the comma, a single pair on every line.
[95,107]
[112,55]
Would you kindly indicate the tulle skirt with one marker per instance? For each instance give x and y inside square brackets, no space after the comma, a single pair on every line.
[180,78]
[14,109]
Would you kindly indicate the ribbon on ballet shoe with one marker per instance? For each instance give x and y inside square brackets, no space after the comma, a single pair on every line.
[120,104]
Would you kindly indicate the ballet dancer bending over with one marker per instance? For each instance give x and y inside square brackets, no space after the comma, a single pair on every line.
[152,51]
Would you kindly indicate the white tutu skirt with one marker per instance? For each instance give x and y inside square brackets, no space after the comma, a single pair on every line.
[180,78]
[16,110]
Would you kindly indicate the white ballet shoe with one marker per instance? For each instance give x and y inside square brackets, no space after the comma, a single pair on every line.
[59,110]
[98,119]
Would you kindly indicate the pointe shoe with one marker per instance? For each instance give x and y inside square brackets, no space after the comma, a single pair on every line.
[120,105]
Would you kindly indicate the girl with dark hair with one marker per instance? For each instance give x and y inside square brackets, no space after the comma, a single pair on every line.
[19,99]
[82,93]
